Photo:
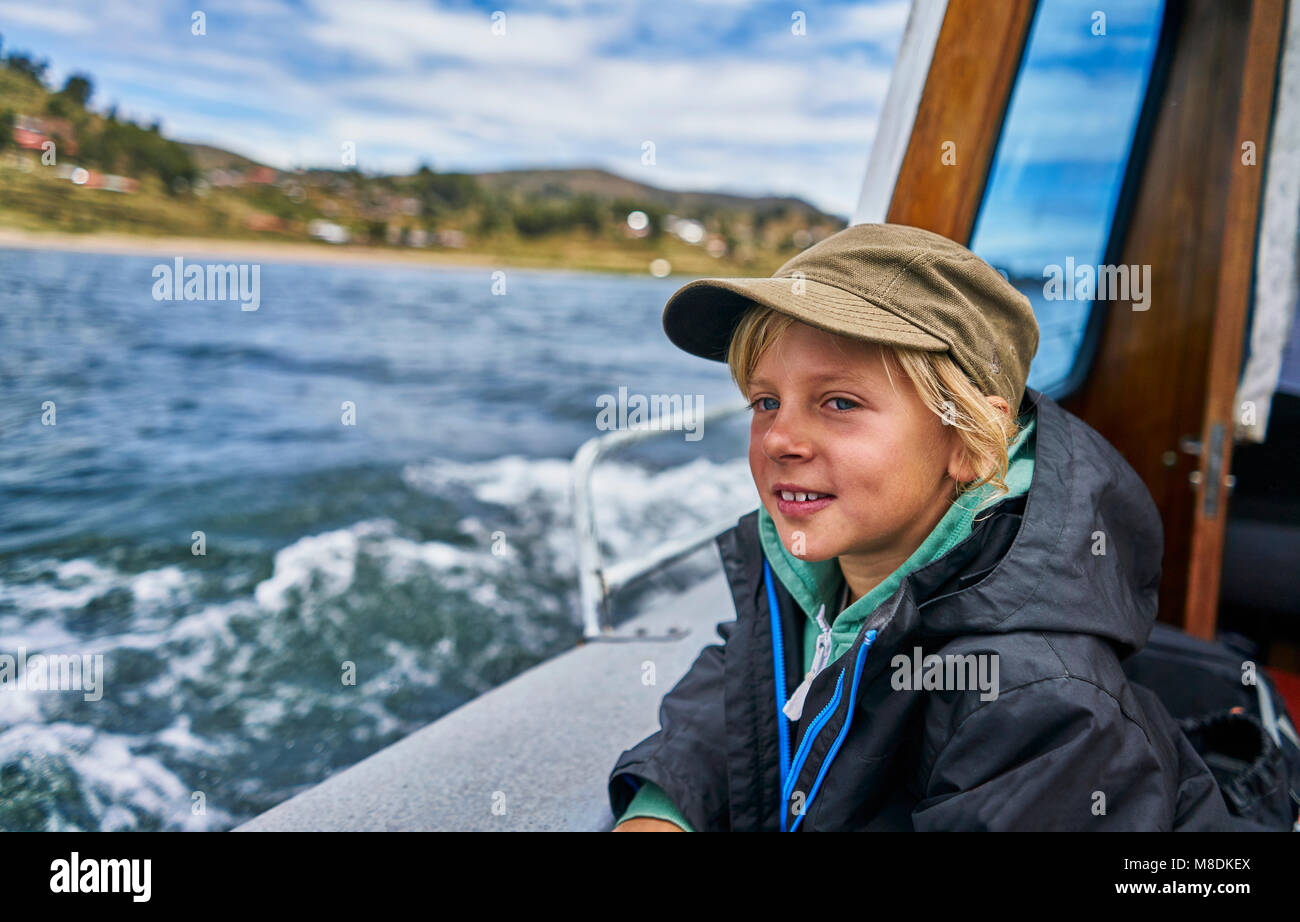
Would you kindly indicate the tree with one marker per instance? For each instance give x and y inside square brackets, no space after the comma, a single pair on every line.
[78,89]
[440,193]
[655,227]
[493,215]
[585,211]
[23,63]
[536,218]
[123,145]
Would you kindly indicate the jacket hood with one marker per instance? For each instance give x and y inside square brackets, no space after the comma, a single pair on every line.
[1075,547]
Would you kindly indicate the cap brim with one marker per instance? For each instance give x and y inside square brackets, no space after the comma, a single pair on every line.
[702,315]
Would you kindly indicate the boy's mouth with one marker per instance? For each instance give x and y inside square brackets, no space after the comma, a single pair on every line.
[795,500]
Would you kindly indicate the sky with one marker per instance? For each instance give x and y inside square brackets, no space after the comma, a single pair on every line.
[731,98]
[1068,130]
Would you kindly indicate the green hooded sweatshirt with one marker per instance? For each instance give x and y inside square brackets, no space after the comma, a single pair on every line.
[816,583]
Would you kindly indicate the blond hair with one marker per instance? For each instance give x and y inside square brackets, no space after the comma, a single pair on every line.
[985,431]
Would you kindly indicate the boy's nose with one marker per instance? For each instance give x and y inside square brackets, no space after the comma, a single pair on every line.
[784,438]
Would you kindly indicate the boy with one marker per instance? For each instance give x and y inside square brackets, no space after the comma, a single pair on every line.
[934,597]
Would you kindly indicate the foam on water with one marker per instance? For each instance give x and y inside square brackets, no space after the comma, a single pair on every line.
[242,697]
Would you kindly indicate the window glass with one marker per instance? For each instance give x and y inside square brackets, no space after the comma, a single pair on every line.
[1060,161]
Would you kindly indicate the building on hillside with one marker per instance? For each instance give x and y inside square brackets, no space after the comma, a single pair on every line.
[328,231]
[30,133]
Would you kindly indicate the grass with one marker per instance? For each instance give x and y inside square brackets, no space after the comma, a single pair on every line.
[39,201]
[35,199]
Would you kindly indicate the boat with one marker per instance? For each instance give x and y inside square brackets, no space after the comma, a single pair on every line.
[1176,137]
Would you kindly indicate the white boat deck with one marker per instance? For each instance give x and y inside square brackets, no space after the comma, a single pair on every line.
[532,754]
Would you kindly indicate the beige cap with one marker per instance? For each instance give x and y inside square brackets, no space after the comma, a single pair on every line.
[886,283]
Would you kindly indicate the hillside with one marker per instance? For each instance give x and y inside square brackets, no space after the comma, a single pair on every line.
[604,184]
[111,176]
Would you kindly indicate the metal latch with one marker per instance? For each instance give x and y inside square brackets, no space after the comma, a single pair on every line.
[1213,469]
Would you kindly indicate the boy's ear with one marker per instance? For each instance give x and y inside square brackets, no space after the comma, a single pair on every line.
[959,468]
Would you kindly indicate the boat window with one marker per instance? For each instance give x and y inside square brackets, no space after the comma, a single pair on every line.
[1059,165]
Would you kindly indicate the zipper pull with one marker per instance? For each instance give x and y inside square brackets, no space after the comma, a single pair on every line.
[821,657]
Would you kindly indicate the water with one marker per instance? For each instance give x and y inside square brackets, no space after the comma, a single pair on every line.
[326,544]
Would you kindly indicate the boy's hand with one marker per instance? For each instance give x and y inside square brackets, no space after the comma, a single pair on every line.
[647,824]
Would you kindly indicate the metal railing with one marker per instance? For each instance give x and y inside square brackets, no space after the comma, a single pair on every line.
[598,580]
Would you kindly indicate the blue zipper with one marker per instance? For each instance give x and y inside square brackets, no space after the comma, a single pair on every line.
[844,730]
[789,774]
[806,746]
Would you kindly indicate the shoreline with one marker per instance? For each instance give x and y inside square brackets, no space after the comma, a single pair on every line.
[266,251]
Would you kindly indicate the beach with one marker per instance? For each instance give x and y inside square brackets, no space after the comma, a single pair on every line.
[570,255]
[268,251]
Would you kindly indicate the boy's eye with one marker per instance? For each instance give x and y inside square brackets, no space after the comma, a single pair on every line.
[759,403]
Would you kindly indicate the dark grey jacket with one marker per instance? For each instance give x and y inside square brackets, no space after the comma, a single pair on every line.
[1068,743]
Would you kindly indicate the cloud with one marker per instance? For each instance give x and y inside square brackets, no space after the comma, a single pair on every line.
[47,18]
[865,22]
[400,36]
[726,92]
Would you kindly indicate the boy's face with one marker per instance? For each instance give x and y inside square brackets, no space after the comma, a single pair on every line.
[828,420]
